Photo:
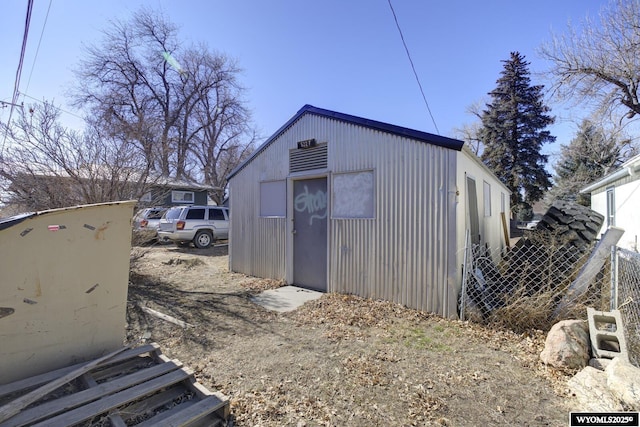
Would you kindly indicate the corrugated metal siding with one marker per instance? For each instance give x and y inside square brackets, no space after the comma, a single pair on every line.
[403,255]
[257,245]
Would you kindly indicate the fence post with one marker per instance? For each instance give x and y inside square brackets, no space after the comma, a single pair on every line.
[613,303]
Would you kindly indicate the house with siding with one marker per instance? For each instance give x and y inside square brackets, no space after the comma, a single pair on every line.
[339,203]
[164,191]
[617,197]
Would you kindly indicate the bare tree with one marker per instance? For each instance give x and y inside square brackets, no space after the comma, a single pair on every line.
[46,165]
[598,64]
[220,137]
[470,132]
[182,107]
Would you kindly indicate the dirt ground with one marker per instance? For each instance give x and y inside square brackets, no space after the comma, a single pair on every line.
[337,361]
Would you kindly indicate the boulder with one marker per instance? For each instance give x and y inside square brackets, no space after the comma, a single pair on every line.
[567,345]
[623,379]
[599,363]
[591,392]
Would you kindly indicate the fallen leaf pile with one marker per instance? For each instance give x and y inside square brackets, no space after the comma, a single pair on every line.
[341,359]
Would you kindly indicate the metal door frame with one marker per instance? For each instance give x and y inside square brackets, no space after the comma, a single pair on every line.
[289,244]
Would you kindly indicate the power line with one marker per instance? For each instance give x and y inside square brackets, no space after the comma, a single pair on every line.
[57,108]
[413,67]
[22,51]
[14,99]
[38,48]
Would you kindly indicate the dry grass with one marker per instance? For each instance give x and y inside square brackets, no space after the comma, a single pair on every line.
[534,278]
[342,359]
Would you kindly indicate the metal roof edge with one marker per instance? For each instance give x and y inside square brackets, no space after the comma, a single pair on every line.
[442,141]
[629,168]
[430,138]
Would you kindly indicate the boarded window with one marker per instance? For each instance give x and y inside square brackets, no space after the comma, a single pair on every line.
[353,195]
[273,198]
[182,196]
[487,198]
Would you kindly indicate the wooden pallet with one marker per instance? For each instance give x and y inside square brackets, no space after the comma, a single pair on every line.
[131,387]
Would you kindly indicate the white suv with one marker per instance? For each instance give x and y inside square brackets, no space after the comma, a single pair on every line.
[201,225]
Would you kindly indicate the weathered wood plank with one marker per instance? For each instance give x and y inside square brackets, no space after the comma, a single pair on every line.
[505,229]
[108,403]
[27,383]
[184,415]
[75,400]
[151,404]
[166,317]
[88,380]
[153,421]
[17,405]
[202,392]
[116,421]
[132,364]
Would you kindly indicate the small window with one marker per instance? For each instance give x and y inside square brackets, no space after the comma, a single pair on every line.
[503,202]
[196,213]
[182,196]
[216,215]
[487,198]
[273,199]
[611,207]
[146,197]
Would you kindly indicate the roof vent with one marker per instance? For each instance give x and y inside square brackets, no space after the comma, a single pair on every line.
[306,159]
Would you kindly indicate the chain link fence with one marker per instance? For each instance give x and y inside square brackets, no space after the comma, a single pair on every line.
[627,299]
[527,287]
[533,286]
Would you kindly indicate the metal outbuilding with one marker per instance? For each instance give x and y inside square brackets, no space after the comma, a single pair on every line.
[340,203]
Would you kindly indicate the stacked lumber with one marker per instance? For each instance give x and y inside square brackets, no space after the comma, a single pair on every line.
[129,387]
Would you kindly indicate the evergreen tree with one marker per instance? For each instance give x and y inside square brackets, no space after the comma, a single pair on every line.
[587,158]
[513,132]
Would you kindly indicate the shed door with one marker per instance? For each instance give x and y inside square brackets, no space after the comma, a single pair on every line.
[310,233]
[472,210]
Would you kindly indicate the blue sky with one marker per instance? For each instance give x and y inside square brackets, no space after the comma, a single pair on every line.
[340,55]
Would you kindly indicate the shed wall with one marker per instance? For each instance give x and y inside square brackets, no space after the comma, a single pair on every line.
[257,244]
[491,227]
[405,254]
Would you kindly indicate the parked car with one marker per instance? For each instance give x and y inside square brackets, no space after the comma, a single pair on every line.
[146,221]
[202,225]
